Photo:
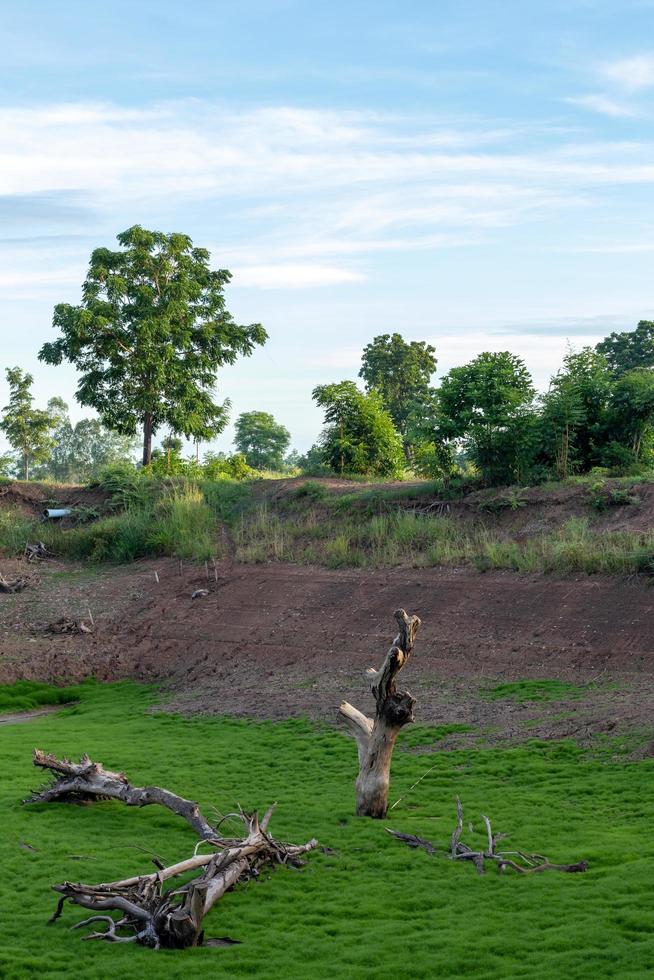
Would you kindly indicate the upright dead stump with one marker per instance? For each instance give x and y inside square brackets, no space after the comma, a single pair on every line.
[376,737]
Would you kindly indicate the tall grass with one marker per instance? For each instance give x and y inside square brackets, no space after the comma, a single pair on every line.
[178,522]
[336,538]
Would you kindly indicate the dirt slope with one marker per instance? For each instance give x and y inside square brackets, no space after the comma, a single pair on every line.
[273,640]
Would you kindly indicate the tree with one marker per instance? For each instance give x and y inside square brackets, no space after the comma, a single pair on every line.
[562,414]
[631,413]
[80,450]
[27,428]
[262,440]
[400,372]
[629,350]
[587,378]
[487,404]
[149,336]
[359,436]
[58,466]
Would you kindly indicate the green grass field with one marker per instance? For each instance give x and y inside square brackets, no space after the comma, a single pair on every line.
[372,908]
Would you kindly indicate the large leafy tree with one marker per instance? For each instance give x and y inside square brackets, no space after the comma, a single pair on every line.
[359,435]
[629,350]
[400,372]
[486,404]
[262,440]
[149,336]
[26,428]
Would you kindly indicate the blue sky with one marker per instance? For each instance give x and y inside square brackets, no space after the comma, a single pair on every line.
[478,174]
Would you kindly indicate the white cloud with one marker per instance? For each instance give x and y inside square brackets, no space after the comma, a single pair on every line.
[633,74]
[312,188]
[292,275]
[605,106]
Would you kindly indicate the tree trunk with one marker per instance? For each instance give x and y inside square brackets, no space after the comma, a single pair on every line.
[376,738]
[26,465]
[147,439]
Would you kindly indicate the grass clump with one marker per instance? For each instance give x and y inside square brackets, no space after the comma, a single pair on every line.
[536,690]
[332,918]
[28,695]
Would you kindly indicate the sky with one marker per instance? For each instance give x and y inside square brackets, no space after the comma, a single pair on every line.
[478,174]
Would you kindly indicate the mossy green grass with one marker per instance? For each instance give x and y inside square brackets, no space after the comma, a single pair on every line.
[370,907]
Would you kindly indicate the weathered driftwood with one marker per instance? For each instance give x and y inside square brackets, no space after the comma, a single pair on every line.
[376,737]
[86,780]
[515,860]
[11,586]
[150,913]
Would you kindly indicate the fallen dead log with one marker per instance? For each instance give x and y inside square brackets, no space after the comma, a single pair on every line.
[149,912]
[69,626]
[518,861]
[376,737]
[16,585]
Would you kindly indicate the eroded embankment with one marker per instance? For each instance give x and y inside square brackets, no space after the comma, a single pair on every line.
[277,640]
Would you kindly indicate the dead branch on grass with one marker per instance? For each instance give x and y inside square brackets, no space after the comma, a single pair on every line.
[518,861]
[149,912]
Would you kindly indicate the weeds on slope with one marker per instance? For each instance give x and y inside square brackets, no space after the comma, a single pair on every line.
[177,520]
[336,538]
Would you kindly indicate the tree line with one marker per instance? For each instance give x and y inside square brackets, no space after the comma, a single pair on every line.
[152,332]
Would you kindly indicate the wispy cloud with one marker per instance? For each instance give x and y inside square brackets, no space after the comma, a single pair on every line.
[633,74]
[293,275]
[301,193]
[605,106]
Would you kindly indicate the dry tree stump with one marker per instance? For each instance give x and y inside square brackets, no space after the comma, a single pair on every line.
[376,736]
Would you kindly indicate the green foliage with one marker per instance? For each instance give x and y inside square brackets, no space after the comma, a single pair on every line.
[311,490]
[80,451]
[400,373]
[601,497]
[332,917]
[359,436]
[217,466]
[486,403]
[27,429]
[510,500]
[630,350]
[261,440]
[149,336]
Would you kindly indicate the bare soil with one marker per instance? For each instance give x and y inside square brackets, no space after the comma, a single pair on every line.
[276,640]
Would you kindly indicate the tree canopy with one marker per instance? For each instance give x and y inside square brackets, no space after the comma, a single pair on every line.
[486,403]
[400,373]
[629,350]
[261,440]
[149,336]
[27,429]
[359,435]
